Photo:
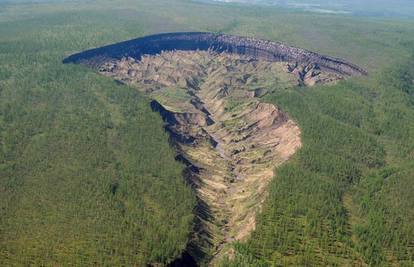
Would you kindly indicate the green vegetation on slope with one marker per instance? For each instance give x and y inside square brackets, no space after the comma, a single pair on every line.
[87,177]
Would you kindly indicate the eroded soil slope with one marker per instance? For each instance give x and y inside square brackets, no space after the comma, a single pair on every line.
[230,141]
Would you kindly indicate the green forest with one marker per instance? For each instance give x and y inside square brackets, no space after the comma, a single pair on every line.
[88,177]
[346,198]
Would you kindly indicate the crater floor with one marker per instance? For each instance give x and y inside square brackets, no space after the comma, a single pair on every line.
[230,140]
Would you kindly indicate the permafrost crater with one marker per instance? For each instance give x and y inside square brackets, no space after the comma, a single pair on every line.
[207,88]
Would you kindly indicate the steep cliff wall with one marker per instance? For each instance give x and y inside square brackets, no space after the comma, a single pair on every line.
[186,41]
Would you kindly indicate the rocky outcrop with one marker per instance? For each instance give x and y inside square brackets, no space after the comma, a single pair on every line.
[191,41]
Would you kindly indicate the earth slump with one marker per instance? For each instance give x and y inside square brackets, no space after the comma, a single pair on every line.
[207,88]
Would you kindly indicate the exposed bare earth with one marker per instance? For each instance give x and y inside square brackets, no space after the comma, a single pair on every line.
[230,141]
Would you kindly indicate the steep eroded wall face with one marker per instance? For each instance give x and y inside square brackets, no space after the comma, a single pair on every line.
[192,41]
